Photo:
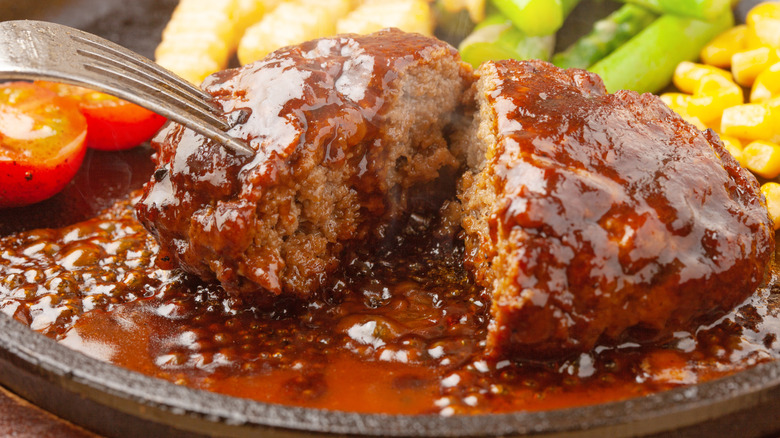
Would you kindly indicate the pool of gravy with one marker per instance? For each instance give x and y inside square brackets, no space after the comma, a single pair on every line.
[399,331]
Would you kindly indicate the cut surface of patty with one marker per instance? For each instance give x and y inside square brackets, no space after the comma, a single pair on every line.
[600,217]
[343,128]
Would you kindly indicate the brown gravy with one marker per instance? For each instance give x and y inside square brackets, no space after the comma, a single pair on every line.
[398,331]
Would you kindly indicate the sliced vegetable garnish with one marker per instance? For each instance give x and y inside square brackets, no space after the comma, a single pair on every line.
[114,124]
[42,143]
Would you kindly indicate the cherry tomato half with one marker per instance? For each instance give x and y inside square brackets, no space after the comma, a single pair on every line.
[113,124]
[42,143]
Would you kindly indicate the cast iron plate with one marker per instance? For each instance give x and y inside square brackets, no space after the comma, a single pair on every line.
[116,402]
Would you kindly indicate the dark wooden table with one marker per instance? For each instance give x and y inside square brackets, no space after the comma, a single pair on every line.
[20,419]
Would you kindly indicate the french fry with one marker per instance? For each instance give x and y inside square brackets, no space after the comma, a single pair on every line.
[249,12]
[291,23]
[475,8]
[199,38]
[373,15]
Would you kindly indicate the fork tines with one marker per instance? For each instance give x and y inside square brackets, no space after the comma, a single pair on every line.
[121,66]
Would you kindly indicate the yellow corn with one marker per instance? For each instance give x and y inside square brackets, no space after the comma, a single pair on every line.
[766,85]
[688,74]
[752,121]
[291,23]
[677,101]
[764,22]
[199,38]
[373,15]
[712,95]
[720,50]
[714,125]
[773,105]
[734,146]
[752,51]
[771,191]
[746,65]
[695,121]
[763,158]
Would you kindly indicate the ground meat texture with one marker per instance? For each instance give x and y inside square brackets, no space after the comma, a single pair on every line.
[344,128]
[597,217]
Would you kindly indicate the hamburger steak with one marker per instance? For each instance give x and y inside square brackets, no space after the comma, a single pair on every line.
[590,217]
[601,215]
[343,128]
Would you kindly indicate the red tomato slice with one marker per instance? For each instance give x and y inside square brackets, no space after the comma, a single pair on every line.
[113,123]
[42,143]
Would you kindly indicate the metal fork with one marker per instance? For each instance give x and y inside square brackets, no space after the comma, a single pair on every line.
[48,51]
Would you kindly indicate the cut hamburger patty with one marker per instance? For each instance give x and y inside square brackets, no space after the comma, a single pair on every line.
[343,128]
[590,217]
[600,217]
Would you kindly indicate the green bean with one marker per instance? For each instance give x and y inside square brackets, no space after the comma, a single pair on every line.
[701,9]
[533,17]
[646,62]
[496,38]
[607,35]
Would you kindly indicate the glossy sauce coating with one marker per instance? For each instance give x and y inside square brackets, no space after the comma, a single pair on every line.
[401,331]
[614,219]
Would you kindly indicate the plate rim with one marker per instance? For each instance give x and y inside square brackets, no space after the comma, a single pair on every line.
[200,411]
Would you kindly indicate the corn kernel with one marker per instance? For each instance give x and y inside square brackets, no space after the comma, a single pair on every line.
[678,102]
[714,125]
[769,10]
[731,142]
[774,106]
[764,21]
[766,85]
[774,110]
[771,191]
[734,146]
[746,66]
[712,95]
[373,15]
[695,121]
[688,74]
[763,158]
[773,103]
[719,51]
[752,121]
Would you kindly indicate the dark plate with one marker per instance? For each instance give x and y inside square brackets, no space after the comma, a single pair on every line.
[117,402]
